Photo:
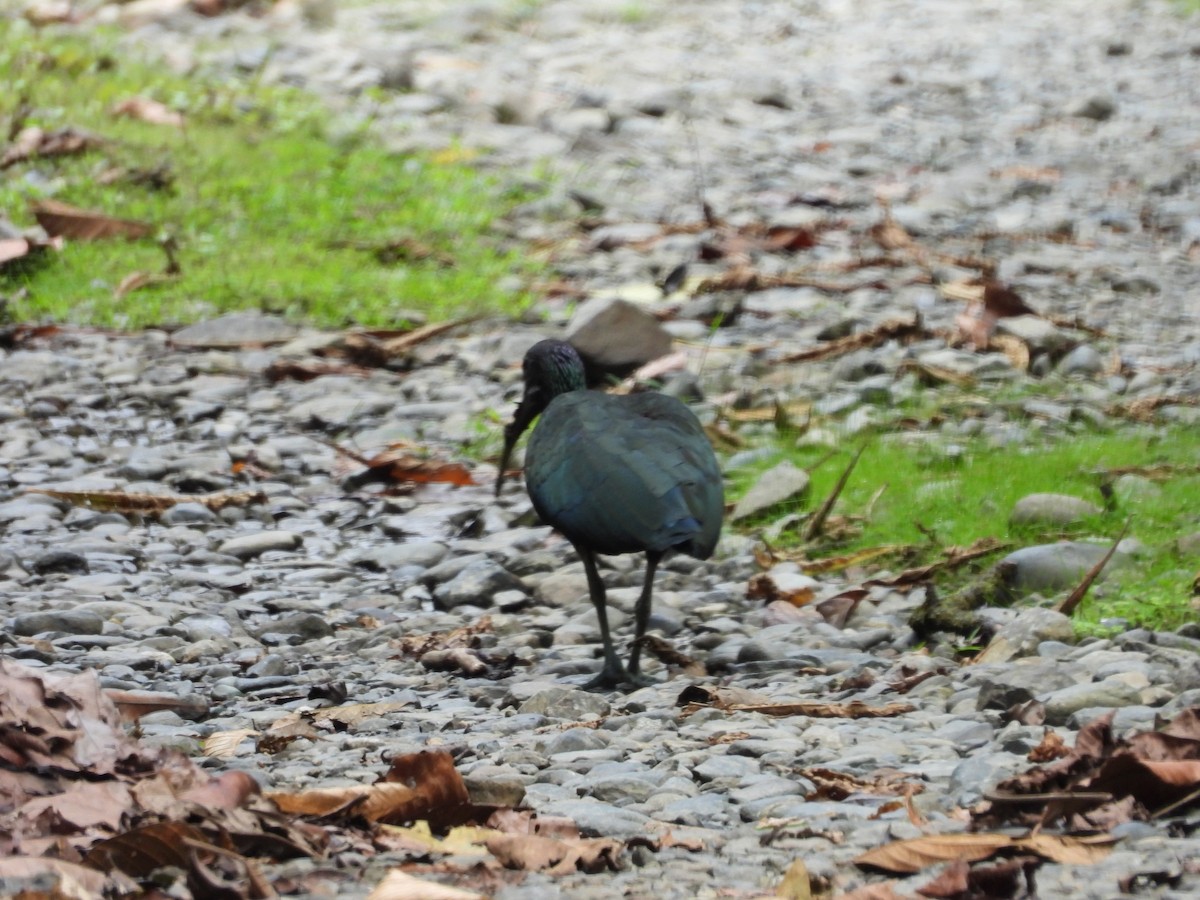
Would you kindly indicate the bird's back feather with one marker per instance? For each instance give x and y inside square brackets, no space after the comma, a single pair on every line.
[624,474]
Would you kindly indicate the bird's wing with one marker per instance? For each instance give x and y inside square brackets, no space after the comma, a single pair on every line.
[625,474]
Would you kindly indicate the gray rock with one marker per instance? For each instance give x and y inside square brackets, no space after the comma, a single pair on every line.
[779,484]
[1040,334]
[60,562]
[235,330]
[1065,702]
[1083,360]
[1046,568]
[616,335]
[308,626]
[248,546]
[476,585]
[565,703]
[1099,107]
[597,819]
[1022,633]
[68,621]
[1051,509]
[188,514]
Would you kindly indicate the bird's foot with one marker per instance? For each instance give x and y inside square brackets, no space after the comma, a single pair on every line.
[617,678]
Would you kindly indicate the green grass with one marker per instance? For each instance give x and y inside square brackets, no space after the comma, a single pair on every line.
[933,500]
[270,209]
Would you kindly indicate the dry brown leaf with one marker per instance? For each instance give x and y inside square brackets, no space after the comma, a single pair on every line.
[405,342]
[933,376]
[463,636]
[666,653]
[151,504]
[135,704]
[34,142]
[916,854]
[795,884]
[534,853]
[64,880]
[147,110]
[952,883]
[764,587]
[63,220]
[1052,747]
[228,790]
[136,281]
[224,744]
[883,891]
[526,821]
[456,658]
[464,840]
[855,709]
[399,885]
[1015,350]
[902,330]
[338,717]
[139,852]
[400,465]
[1067,850]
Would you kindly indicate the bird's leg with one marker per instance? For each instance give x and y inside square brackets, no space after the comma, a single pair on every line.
[613,672]
[642,616]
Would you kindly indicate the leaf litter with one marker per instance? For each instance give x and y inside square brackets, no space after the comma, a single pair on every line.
[85,807]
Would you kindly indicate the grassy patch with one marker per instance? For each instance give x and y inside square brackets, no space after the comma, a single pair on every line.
[933,498]
[269,209]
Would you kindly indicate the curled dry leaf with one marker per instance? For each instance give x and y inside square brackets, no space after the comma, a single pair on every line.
[421,785]
[1052,747]
[763,586]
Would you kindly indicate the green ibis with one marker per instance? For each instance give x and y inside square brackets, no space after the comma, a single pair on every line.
[614,474]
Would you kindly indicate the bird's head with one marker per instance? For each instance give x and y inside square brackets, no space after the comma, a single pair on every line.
[551,368]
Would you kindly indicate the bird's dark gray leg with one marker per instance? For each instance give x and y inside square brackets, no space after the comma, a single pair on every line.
[642,616]
[613,672]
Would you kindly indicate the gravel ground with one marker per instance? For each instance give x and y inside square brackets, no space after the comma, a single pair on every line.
[981,125]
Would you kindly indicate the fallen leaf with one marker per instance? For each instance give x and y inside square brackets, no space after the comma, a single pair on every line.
[398,885]
[535,853]
[224,744]
[795,884]
[135,704]
[57,879]
[916,854]
[855,709]
[227,791]
[151,504]
[34,142]
[883,891]
[951,883]
[148,110]
[457,658]
[62,220]
[1052,747]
